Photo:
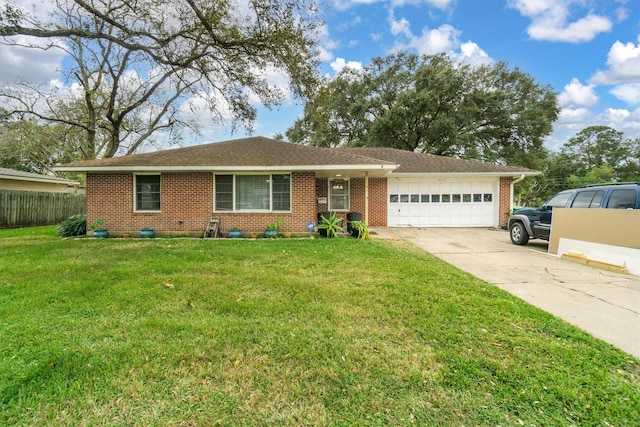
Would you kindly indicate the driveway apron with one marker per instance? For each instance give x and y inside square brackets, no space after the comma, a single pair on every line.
[603,303]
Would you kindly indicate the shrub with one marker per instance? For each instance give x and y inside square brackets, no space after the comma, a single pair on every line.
[73,226]
[331,224]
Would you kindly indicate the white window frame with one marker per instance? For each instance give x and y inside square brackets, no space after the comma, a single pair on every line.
[135,193]
[331,207]
[235,189]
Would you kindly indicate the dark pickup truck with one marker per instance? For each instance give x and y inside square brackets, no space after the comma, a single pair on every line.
[528,224]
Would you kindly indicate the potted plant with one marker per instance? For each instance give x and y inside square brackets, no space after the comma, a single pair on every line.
[235,232]
[359,230]
[126,234]
[254,235]
[271,230]
[330,225]
[99,229]
[147,233]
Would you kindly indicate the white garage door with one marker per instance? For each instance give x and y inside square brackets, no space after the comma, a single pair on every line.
[441,203]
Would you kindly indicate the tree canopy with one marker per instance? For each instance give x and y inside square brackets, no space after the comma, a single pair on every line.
[596,154]
[432,105]
[133,65]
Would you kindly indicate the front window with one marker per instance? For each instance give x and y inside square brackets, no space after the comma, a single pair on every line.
[253,192]
[147,192]
[224,192]
[339,195]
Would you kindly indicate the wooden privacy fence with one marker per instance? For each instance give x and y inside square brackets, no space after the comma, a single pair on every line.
[31,208]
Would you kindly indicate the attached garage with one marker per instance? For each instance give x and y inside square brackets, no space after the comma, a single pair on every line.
[442,202]
[425,190]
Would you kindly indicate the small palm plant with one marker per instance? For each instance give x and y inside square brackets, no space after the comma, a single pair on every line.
[331,224]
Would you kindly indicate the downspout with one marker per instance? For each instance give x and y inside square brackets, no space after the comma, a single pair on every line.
[513,183]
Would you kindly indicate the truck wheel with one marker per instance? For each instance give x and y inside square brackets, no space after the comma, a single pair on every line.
[518,233]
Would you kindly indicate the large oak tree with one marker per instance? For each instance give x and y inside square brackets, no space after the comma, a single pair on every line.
[132,65]
[432,105]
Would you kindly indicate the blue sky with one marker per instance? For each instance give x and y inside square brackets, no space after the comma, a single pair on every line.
[587,50]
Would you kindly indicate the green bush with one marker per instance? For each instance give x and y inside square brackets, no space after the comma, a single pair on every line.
[73,226]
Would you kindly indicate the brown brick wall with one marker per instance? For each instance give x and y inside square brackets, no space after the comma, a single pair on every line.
[186,200]
[187,204]
[505,200]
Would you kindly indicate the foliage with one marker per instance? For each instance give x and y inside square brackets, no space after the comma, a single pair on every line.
[202,332]
[29,146]
[361,229]
[97,224]
[275,225]
[595,155]
[73,226]
[142,68]
[432,105]
[330,224]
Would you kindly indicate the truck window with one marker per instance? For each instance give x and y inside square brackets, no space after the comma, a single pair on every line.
[559,200]
[622,199]
[588,199]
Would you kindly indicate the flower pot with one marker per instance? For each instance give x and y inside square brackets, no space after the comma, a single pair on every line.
[270,233]
[147,233]
[235,234]
[103,234]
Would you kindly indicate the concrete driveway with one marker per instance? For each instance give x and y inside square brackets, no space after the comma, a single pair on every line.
[605,304]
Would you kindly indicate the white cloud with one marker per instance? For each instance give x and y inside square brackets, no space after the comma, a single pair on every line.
[339,64]
[31,65]
[471,54]
[431,42]
[438,4]
[575,94]
[624,65]
[629,93]
[399,27]
[551,20]
[444,39]
[326,44]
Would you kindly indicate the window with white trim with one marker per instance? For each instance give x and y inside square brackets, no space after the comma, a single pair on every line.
[253,192]
[147,192]
[339,195]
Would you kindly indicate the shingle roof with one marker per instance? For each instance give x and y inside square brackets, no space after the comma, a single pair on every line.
[411,162]
[254,152]
[28,176]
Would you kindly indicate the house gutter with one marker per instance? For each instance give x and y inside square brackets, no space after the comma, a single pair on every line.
[297,168]
[59,181]
[513,183]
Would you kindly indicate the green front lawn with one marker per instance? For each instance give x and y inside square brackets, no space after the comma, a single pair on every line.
[285,332]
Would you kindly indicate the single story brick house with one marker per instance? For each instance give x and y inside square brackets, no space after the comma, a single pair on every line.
[250,182]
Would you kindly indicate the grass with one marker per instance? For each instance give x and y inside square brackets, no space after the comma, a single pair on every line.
[285,332]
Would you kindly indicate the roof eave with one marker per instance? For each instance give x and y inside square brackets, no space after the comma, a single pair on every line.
[514,174]
[42,180]
[293,168]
